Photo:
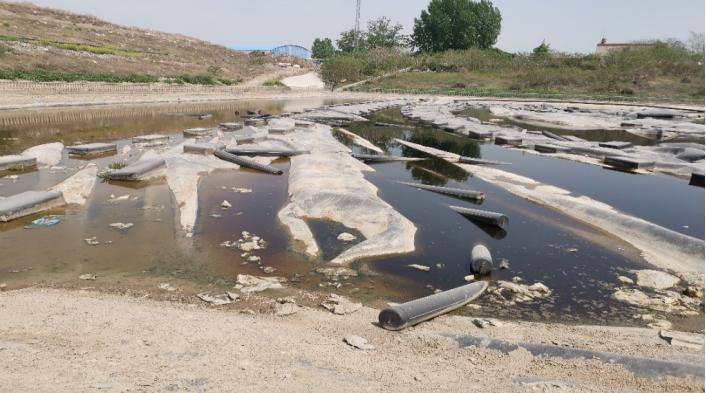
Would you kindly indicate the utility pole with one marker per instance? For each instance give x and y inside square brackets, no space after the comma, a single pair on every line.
[357,23]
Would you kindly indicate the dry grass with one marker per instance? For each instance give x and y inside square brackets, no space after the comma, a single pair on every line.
[35,38]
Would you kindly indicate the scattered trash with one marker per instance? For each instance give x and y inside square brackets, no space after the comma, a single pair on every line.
[504,264]
[250,284]
[241,190]
[92,241]
[346,237]
[114,199]
[340,305]
[122,226]
[469,278]
[358,342]
[419,267]
[334,273]
[167,287]
[226,205]
[514,292]
[268,269]
[90,277]
[44,222]
[411,313]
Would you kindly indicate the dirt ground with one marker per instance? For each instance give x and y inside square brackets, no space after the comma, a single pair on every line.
[57,340]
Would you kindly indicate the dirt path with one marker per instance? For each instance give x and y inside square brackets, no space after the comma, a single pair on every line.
[54,340]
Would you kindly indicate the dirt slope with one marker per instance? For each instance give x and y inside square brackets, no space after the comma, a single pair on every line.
[32,38]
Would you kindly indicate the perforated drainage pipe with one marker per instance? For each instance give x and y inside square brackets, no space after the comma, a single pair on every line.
[411,313]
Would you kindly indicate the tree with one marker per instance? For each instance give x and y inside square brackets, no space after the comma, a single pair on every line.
[383,34]
[351,41]
[457,24]
[541,51]
[322,48]
[696,43]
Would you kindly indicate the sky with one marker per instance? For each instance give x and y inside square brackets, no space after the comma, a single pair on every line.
[567,25]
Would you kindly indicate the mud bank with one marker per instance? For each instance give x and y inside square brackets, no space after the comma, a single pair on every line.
[328,184]
[170,346]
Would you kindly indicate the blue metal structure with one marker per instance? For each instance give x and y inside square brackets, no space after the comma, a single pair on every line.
[293,50]
[288,50]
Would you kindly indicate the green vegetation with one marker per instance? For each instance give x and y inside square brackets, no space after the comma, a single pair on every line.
[96,49]
[40,75]
[273,83]
[457,24]
[322,48]
[117,165]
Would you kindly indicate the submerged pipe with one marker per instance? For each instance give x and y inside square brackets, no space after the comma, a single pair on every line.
[480,161]
[383,158]
[265,152]
[486,217]
[554,136]
[481,260]
[225,156]
[408,314]
[457,192]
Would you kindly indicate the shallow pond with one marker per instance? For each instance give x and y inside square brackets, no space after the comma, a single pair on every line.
[579,263]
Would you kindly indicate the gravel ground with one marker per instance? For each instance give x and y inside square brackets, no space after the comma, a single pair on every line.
[58,340]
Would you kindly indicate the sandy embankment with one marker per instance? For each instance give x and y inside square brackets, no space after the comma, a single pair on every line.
[85,341]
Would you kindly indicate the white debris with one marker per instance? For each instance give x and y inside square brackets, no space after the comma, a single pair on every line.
[226,205]
[92,241]
[655,279]
[419,267]
[90,277]
[167,287]
[241,190]
[114,199]
[121,226]
[519,293]
[469,278]
[340,305]
[346,237]
[217,300]
[252,284]
[358,342]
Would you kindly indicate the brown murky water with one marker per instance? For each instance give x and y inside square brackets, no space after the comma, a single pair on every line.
[155,251]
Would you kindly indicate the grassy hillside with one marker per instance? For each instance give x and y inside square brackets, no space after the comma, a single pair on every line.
[665,71]
[45,44]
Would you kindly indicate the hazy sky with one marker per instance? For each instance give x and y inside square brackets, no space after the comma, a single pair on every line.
[567,25]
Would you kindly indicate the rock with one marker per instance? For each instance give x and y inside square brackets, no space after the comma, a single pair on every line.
[121,226]
[539,287]
[666,302]
[689,340]
[3,286]
[473,306]
[268,269]
[358,342]
[226,205]
[233,296]
[253,258]
[625,280]
[481,323]
[520,293]
[655,279]
[217,300]
[661,324]
[340,305]
[89,276]
[419,267]
[167,287]
[469,278]
[287,299]
[346,237]
[252,284]
[285,309]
